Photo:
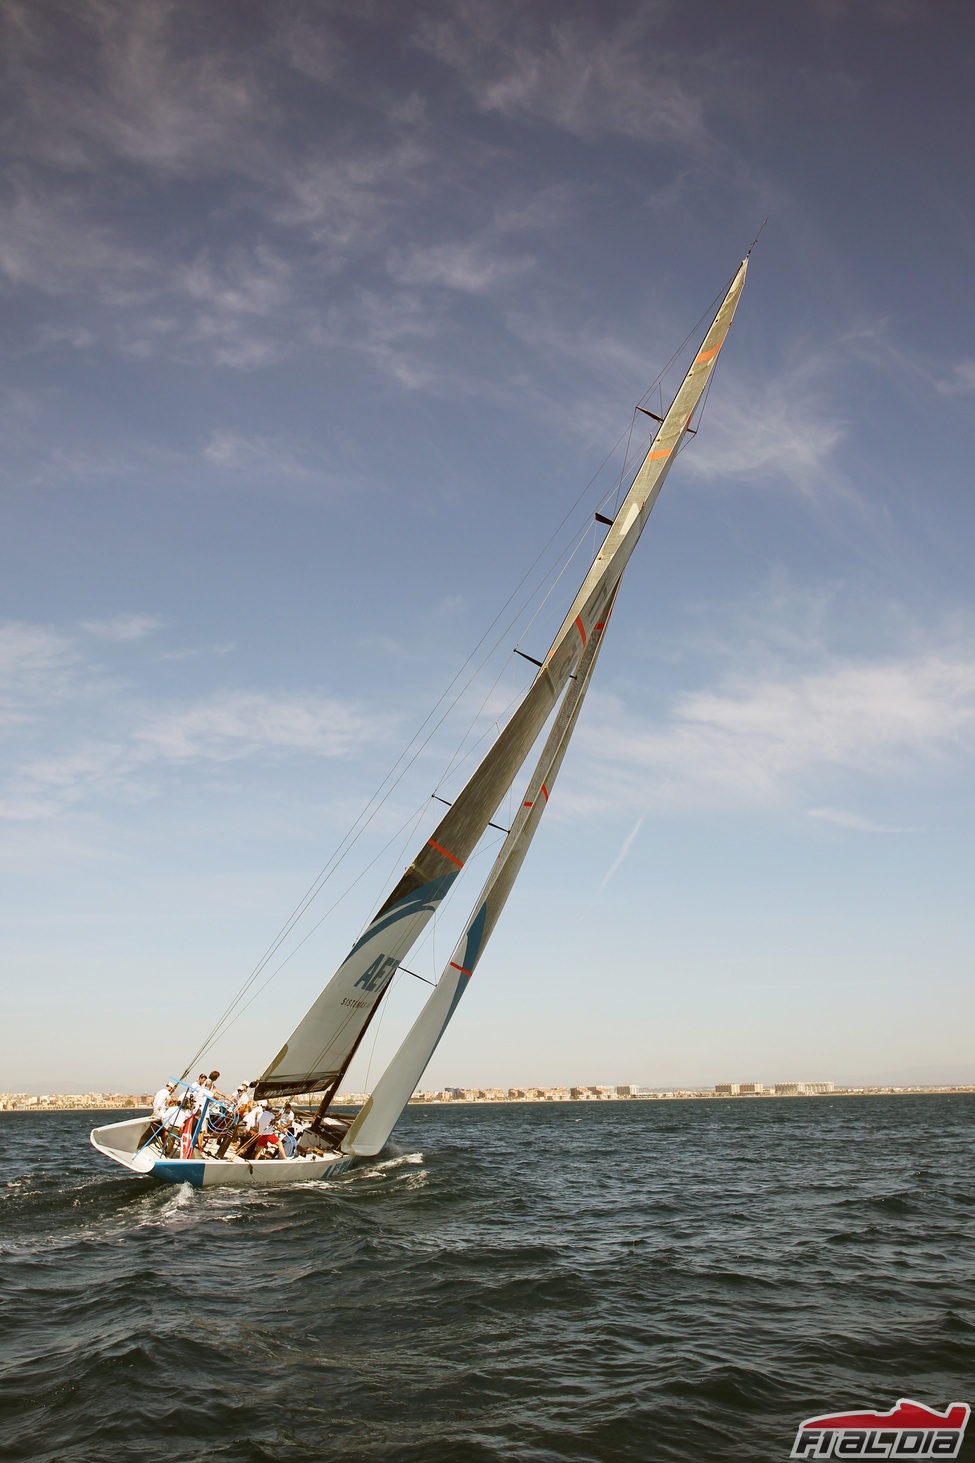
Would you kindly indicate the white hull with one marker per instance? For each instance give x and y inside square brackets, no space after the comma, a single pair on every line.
[121,1142]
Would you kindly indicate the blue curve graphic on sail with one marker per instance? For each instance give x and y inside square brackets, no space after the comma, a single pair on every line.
[427,896]
[474,936]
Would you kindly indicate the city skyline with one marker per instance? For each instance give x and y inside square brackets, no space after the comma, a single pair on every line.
[93,1101]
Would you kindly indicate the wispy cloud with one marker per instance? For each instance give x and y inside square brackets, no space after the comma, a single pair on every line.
[842,818]
[49,242]
[342,201]
[247,282]
[122,627]
[76,732]
[471,267]
[586,76]
[759,741]
[961,382]
[162,96]
[195,652]
[391,330]
[135,95]
[36,663]
[372,227]
[780,427]
[31,650]
[493,254]
[221,306]
[237,724]
[235,302]
[265,457]
[214,730]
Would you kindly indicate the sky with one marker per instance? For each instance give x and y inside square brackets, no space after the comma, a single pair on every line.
[320,322]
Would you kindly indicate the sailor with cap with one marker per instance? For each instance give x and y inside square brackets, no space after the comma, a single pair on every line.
[163,1099]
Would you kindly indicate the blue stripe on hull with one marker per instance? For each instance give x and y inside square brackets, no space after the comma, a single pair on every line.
[180,1171]
[192,1171]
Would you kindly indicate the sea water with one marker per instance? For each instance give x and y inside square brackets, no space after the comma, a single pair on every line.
[540,1282]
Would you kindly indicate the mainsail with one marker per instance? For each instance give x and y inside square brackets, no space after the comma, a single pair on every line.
[320,1048]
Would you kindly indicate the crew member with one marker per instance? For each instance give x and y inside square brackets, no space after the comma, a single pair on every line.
[162,1104]
[261,1121]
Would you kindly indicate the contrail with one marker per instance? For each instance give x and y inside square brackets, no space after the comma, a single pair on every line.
[624,850]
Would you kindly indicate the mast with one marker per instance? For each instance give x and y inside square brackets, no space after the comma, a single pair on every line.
[319,1050]
[373,1125]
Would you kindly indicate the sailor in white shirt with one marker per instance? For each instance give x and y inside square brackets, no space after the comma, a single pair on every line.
[249,1143]
[216,1116]
[163,1106]
[289,1127]
[260,1121]
[172,1119]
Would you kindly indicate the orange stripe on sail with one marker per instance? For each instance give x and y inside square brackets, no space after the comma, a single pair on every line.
[663,452]
[580,629]
[446,853]
[463,969]
[545,791]
[706,355]
[528,805]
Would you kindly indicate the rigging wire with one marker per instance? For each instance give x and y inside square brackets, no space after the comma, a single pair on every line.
[410,823]
[459,755]
[384,1000]
[431,723]
[393,777]
[402,764]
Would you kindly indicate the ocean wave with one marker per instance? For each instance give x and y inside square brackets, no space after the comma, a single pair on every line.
[525,1285]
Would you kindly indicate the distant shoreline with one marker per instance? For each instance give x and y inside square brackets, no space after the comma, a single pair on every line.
[683,1095]
[704,1095]
[136,1110]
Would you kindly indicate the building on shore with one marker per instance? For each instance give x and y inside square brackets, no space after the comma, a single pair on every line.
[70,1101]
[778,1089]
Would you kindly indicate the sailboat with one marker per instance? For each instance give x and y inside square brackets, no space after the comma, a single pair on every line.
[317,1054]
